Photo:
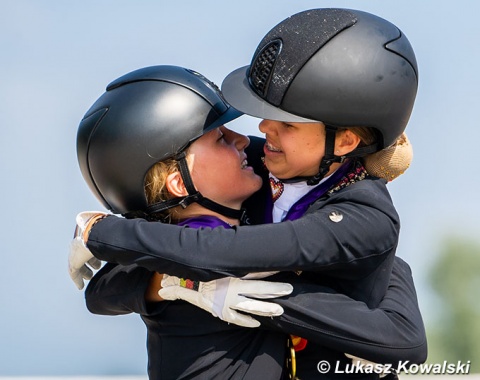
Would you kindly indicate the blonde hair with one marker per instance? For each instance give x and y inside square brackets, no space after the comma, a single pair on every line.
[155,184]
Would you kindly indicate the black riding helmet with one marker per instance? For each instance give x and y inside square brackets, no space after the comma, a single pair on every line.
[345,68]
[144,117]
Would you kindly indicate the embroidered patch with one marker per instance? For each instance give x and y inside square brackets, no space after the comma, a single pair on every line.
[277,189]
[189,284]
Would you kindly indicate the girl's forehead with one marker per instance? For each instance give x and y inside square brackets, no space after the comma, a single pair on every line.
[315,124]
[310,125]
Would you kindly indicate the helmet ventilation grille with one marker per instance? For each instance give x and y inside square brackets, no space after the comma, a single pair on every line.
[262,68]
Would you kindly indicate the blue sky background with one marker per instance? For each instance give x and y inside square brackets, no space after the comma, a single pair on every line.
[56,59]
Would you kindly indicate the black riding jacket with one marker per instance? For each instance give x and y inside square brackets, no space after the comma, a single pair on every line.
[349,260]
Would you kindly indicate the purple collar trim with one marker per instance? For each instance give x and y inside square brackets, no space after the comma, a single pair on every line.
[204,221]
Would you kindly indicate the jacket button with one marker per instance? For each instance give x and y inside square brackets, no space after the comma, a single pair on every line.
[335,216]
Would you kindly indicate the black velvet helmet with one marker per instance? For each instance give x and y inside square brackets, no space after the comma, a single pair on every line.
[342,67]
[145,116]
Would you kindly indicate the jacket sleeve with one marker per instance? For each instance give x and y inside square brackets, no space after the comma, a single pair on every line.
[118,290]
[391,333]
[314,242]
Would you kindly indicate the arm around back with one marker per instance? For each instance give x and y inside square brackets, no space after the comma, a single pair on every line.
[394,332]
[313,242]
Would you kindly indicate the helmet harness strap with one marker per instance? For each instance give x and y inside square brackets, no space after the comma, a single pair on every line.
[193,196]
[329,158]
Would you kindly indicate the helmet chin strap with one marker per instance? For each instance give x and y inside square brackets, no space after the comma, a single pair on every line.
[329,158]
[194,196]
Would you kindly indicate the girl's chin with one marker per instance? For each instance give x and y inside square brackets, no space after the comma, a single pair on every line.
[273,168]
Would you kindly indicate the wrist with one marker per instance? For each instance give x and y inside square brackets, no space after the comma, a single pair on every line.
[89,225]
[154,286]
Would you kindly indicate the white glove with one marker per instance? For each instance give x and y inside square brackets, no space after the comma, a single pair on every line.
[80,255]
[222,298]
[257,275]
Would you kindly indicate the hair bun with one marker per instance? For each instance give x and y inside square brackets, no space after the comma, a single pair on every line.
[391,162]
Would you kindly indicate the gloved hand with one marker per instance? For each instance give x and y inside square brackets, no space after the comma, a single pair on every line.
[257,275]
[223,298]
[80,255]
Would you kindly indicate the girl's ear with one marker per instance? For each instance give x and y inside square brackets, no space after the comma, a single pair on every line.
[345,142]
[175,185]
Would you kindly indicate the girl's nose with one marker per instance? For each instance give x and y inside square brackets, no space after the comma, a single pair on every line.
[240,141]
[267,126]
